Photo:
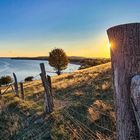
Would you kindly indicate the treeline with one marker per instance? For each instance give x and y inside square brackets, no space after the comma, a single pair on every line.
[84,62]
[72,59]
[89,62]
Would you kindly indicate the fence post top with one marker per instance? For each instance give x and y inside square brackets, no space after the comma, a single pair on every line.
[124,26]
[135,80]
[41,64]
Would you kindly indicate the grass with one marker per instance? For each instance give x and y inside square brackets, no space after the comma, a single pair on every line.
[83,102]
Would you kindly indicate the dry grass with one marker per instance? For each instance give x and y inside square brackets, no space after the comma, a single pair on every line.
[82,99]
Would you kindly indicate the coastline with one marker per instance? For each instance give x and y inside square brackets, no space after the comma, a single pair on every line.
[28,67]
[82,61]
[76,61]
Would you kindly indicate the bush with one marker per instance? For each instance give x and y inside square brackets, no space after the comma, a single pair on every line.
[58,59]
[5,80]
[29,78]
[86,63]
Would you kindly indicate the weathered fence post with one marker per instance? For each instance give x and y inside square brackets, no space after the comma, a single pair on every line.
[0,90]
[125,57]
[12,89]
[21,90]
[135,98]
[15,83]
[48,101]
[50,85]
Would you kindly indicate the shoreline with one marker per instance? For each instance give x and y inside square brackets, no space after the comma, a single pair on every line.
[83,62]
[77,62]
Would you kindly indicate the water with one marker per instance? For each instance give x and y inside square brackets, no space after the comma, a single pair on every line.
[25,68]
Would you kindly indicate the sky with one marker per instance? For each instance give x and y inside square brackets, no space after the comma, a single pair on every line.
[35,27]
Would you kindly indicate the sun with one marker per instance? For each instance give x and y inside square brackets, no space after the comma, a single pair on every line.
[109,45]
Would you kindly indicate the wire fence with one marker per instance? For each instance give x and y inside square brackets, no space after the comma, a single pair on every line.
[86,128]
[81,128]
[36,77]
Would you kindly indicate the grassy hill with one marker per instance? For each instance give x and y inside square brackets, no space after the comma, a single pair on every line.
[83,108]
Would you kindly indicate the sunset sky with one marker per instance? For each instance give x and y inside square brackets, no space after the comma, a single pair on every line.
[34,27]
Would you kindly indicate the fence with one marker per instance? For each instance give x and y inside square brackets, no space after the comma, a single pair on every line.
[125,57]
[79,128]
[46,82]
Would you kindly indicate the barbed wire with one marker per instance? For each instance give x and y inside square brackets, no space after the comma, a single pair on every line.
[24,116]
[84,127]
[97,109]
[93,122]
[72,130]
[46,72]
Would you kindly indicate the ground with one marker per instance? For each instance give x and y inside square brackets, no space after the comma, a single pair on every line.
[83,109]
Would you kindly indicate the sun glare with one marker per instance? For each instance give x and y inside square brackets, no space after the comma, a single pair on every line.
[109,45]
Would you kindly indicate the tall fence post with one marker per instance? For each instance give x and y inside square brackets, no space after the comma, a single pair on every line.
[15,84]
[21,90]
[50,86]
[135,98]
[12,88]
[125,58]
[0,91]
[48,108]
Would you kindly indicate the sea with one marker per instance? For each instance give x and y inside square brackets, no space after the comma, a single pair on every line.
[25,68]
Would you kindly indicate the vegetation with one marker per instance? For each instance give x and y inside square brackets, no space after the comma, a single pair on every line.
[29,78]
[89,62]
[5,80]
[83,61]
[83,102]
[58,59]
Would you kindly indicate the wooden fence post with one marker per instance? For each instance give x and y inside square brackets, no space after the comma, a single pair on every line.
[50,82]
[48,108]
[0,92]
[125,58]
[21,90]
[135,98]
[15,84]
[50,85]
[12,89]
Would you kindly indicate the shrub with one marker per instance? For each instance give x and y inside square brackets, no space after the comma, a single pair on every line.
[5,80]
[29,78]
[89,62]
[58,59]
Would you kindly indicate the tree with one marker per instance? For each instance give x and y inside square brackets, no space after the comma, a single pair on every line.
[58,59]
[5,80]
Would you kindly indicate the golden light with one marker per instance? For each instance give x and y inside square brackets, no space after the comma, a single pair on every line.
[109,45]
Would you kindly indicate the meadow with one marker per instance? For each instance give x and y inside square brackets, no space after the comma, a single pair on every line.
[83,108]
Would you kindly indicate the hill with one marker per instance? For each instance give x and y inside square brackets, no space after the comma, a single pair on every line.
[83,108]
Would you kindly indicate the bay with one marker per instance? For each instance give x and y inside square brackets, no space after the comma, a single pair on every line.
[25,68]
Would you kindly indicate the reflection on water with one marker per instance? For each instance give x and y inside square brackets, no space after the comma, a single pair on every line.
[24,68]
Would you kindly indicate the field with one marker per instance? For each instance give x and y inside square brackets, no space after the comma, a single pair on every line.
[83,108]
